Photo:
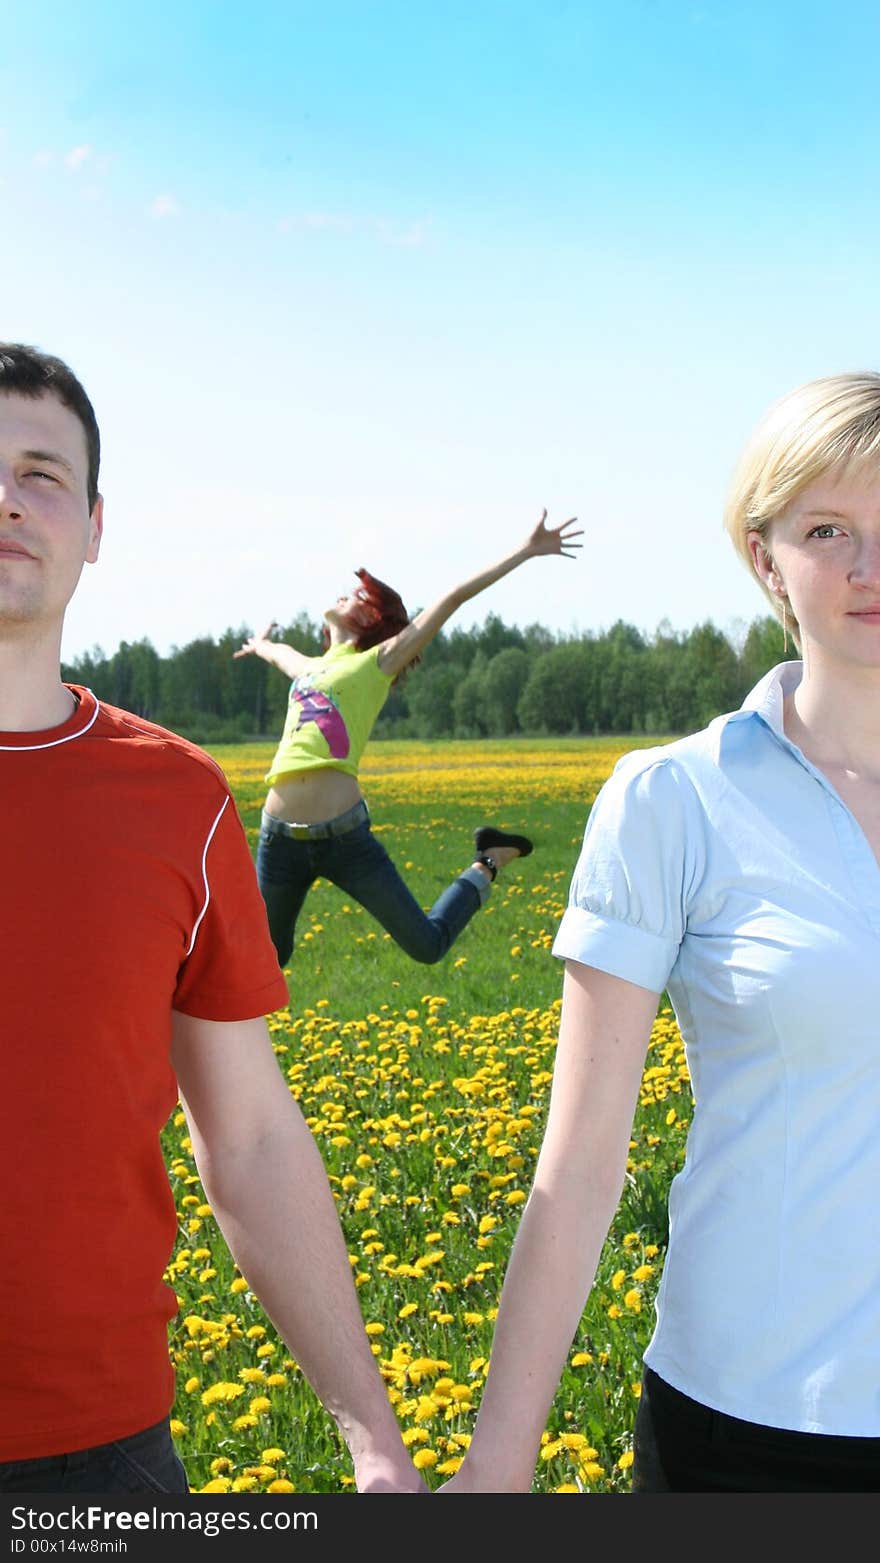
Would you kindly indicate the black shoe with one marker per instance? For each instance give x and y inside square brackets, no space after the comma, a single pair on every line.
[486,837]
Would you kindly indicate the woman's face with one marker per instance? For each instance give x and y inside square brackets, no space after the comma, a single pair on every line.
[346,614]
[823,552]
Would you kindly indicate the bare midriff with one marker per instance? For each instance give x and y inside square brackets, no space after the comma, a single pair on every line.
[307,797]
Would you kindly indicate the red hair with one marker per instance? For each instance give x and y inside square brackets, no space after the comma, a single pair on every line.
[381,614]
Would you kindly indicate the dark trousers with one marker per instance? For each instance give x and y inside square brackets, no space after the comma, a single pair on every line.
[683,1446]
[361,867]
[144,1462]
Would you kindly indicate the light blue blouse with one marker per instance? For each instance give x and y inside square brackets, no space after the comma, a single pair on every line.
[726,869]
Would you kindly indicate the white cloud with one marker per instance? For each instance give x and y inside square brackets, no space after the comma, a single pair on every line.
[410,238]
[164,206]
[77,156]
[328,221]
[42,159]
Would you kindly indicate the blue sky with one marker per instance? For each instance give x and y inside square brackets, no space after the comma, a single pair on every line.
[374,283]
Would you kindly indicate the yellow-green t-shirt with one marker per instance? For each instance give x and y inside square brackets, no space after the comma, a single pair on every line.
[331,711]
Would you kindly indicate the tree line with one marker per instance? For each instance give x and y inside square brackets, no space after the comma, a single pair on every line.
[492,680]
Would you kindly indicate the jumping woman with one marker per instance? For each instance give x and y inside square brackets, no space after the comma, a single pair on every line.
[315,822]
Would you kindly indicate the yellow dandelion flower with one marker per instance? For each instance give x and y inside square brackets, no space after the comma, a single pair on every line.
[618,1279]
[191,1385]
[272,1456]
[590,1471]
[244,1422]
[626,1460]
[221,1393]
[220,1466]
[259,1405]
[238,1285]
[177,1427]
[424,1458]
[581,1359]
[219,1484]
[280,1484]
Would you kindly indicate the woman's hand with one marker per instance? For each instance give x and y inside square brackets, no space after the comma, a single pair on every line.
[254,643]
[554,539]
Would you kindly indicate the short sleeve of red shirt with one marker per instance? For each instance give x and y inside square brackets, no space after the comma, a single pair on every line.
[230,971]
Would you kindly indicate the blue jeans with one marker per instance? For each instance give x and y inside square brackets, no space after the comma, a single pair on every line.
[144,1462]
[361,867]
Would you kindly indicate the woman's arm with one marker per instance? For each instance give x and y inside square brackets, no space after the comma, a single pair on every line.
[401,649]
[604,1031]
[276,652]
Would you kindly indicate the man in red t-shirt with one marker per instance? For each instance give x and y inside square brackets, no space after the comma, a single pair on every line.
[137,969]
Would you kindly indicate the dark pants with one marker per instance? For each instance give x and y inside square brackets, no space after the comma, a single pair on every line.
[683,1446]
[360,866]
[144,1462]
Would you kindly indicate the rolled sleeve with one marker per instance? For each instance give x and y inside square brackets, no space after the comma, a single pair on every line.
[615,947]
[627,905]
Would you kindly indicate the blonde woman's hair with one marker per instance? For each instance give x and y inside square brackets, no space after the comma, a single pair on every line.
[829,423]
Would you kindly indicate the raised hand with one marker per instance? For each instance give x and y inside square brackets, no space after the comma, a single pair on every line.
[251,647]
[555,539]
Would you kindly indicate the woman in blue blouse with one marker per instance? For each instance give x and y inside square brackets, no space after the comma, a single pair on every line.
[737,869]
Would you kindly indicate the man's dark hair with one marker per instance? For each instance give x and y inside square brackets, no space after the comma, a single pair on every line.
[25,371]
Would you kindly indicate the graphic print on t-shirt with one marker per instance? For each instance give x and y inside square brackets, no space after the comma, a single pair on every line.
[316,706]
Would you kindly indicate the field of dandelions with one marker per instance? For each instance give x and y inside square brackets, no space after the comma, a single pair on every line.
[426,1088]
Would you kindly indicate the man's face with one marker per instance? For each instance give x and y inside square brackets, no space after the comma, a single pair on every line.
[47,532]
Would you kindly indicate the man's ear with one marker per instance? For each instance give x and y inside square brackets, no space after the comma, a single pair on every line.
[96,530]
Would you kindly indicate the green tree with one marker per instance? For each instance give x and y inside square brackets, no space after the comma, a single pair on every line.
[503,683]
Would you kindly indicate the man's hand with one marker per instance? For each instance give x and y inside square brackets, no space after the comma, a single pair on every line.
[379,1474]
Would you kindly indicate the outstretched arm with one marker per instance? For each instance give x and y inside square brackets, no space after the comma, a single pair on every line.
[603,1036]
[401,649]
[275,652]
[267,1186]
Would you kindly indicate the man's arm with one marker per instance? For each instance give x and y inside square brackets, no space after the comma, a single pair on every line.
[265,1181]
[604,1030]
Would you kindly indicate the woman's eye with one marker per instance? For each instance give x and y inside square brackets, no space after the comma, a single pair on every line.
[825,530]
[49,477]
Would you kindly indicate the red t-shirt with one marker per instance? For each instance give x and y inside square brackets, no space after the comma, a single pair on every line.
[127,891]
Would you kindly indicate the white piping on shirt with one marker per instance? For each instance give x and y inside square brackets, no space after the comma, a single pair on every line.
[205,878]
[28,748]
